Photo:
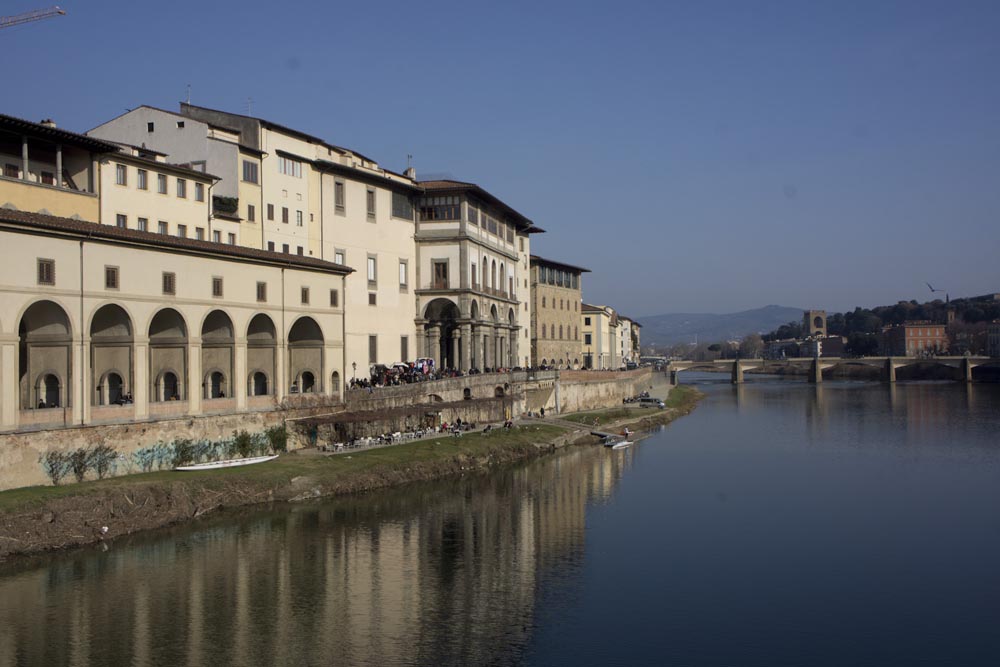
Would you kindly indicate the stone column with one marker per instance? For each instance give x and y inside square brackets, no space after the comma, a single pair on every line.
[9,385]
[737,373]
[434,344]
[967,369]
[59,170]
[421,342]
[514,360]
[88,389]
[815,372]
[75,393]
[488,347]
[140,373]
[194,381]
[467,342]
[890,370]
[455,362]
[329,354]
[238,386]
[24,159]
[280,371]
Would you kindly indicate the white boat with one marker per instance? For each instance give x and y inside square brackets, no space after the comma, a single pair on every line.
[229,463]
[617,442]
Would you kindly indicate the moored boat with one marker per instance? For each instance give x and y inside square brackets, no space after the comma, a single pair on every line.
[228,463]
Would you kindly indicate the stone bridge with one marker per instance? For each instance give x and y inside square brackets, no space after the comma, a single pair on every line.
[816,366]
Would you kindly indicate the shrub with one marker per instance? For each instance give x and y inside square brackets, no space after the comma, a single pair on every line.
[55,465]
[242,443]
[277,436]
[103,459]
[184,452]
[79,462]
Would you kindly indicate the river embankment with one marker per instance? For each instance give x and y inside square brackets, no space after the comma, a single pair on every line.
[44,518]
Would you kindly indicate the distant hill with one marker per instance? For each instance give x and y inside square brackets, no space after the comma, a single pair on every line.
[675,328]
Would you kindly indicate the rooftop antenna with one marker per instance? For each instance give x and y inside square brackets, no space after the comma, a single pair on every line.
[409,160]
[249,106]
[189,94]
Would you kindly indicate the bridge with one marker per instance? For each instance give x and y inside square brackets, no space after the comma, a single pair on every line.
[815,366]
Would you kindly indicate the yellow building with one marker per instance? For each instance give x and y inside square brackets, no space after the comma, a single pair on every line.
[556,295]
[600,337]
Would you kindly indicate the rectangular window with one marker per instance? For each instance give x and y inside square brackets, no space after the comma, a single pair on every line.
[199,233]
[473,215]
[121,174]
[284,248]
[143,180]
[334,298]
[305,296]
[249,171]
[199,192]
[182,191]
[121,221]
[403,271]
[261,291]
[586,339]
[338,196]
[270,211]
[372,349]
[284,214]
[48,178]
[338,257]
[143,225]
[11,170]
[161,183]
[182,231]
[475,276]
[372,299]
[169,283]
[251,213]
[161,227]
[270,246]
[110,277]
[372,270]
[298,250]
[404,348]
[216,286]
[217,236]
[298,218]
[289,167]
[149,127]
[586,321]
[370,203]
[231,238]
[440,208]
[46,272]
[440,275]
[402,207]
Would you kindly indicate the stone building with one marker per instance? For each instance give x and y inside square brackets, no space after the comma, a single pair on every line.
[813,323]
[472,290]
[993,339]
[629,340]
[600,337]
[101,324]
[556,295]
[914,338]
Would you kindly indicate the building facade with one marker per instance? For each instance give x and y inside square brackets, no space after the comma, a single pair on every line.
[993,339]
[556,295]
[472,291]
[599,328]
[629,340]
[914,339]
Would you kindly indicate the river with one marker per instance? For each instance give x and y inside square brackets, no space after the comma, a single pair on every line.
[779,524]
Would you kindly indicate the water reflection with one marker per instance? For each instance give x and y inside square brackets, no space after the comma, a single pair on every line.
[435,573]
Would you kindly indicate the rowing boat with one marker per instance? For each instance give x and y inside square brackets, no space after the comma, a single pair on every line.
[228,463]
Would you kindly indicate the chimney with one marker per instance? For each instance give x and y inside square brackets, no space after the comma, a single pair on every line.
[48,122]
[410,173]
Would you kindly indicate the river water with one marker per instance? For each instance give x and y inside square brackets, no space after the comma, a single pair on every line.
[779,524]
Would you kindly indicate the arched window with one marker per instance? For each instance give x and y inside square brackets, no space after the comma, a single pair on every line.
[170,392]
[543,302]
[560,335]
[114,383]
[308,384]
[217,385]
[467,394]
[258,384]
[543,331]
[50,389]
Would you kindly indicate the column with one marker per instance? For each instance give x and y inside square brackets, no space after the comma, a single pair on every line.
[329,354]
[24,158]
[59,170]
[238,387]
[514,361]
[467,342]
[434,344]
[455,363]
[421,341]
[280,371]
[488,346]
[737,377]
[88,380]
[967,369]
[75,393]
[140,373]
[194,382]
[890,370]
[815,372]
[9,385]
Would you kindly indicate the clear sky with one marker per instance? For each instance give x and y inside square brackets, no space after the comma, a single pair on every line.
[697,156]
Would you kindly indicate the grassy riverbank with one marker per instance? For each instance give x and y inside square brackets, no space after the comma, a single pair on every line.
[42,518]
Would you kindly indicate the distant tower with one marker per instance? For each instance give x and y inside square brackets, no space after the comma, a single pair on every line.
[814,323]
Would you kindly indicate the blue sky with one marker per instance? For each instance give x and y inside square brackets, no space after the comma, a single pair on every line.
[698,156]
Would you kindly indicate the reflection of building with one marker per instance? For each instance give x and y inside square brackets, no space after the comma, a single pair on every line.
[555,313]
[915,338]
[599,331]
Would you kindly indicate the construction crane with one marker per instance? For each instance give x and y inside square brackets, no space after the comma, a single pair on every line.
[27,17]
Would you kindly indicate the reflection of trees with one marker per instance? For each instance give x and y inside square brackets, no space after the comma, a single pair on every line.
[438,572]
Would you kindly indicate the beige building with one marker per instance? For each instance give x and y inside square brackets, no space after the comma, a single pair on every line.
[472,290]
[628,340]
[101,324]
[556,295]
[599,329]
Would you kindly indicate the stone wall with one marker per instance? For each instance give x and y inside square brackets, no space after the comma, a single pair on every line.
[590,390]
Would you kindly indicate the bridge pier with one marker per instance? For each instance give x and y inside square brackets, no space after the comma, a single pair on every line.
[737,375]
[890,370]
[673,378]
[815,372]
[967,369]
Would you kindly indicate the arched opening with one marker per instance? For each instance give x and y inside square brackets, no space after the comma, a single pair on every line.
[493,275]
[434,398]
[217,353]
[498,392]
[305,355]
[486,272]
[442,333]
[258,384]
[335,383]
[503,277]
[262,345]
[44,356]
[467,394]
[111,355]
[168,356]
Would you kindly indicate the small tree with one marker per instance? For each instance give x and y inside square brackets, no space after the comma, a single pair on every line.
[242,443]
[55,465]
[79,462]
[278,437]
[102,460]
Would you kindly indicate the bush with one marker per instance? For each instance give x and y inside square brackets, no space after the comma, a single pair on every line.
[242,443]
[103,459]
[277,436]
[184,452]
[55,465]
